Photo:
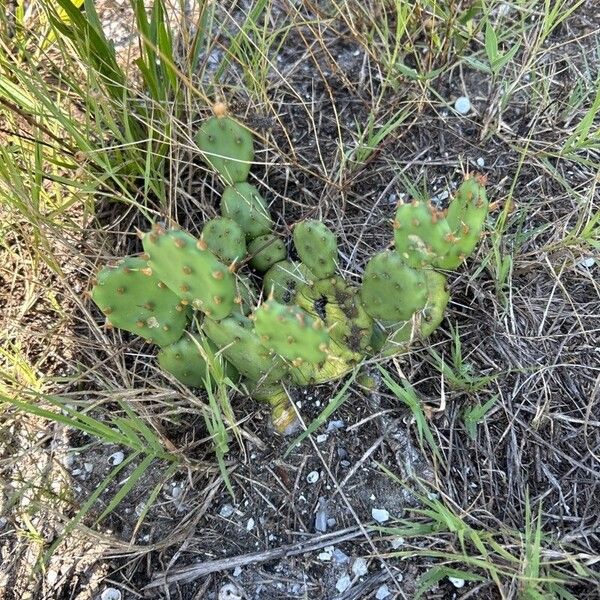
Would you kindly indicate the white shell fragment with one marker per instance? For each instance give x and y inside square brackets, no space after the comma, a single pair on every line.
[111,593]
[380,515]
[116,458]
[312,477]
[462,105]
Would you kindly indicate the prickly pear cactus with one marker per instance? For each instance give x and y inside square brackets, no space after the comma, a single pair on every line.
[266,250]
[243,204]
[283,278]
[466,217]
[338,305]
[421,233]
[225,239]
[317,247]
[391,290]
[291,332]
[242,347]
[191,270]
[307,325]
[186,361]
[134,299]
[227,147]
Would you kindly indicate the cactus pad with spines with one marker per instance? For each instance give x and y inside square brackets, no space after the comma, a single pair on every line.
[317,247]
[265,251]
[421,233]
[225,239]
[241,346]
[133,298]
[291,332]
[391,290]
[438,297]
[243,204]
[338,304]
[246,296]
[185,361]
[191,270]
[227,147]
[466,216]
[283,278]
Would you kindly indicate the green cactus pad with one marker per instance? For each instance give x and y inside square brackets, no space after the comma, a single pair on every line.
[227,147]
[291,332]
[337,303]
[283,278]
[266,250]
[317,247]
[191,270]
[225,239]
[185,361]
[466,217]
[241,346]
[248,209]
[438,297]
[134,299]
[421,233]
[391,290]
[246,297]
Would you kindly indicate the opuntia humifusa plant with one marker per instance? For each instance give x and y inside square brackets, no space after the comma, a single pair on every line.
[307,325]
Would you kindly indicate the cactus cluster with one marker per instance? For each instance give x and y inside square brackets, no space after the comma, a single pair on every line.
[308,325]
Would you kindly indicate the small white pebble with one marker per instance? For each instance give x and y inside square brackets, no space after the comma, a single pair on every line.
[462,105]
[588,262]
[322,438]
[359,567]
[116,459]
[237,571]
[76,472]
[250,524]
[380,515]
[3,522]
[312,477]
[433,496]
[480,162]
[397,543]
[326,555]
[89,467]
[343,583]
[229,592]
[226,511]
[457,582]
[111,594]
[382,592]
[372,497]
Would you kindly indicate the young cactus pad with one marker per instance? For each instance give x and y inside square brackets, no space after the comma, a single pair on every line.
[191,270]
[466,216]
[227,147]
[242,348]
[437,300]
[421,233]
[247,208]
[134,299]
[291,332]
[266,250]
[185,361]
[225,239]
[317,247]
[283,278]
[391,290]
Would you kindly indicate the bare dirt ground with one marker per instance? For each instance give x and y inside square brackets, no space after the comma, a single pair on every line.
[298,525]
